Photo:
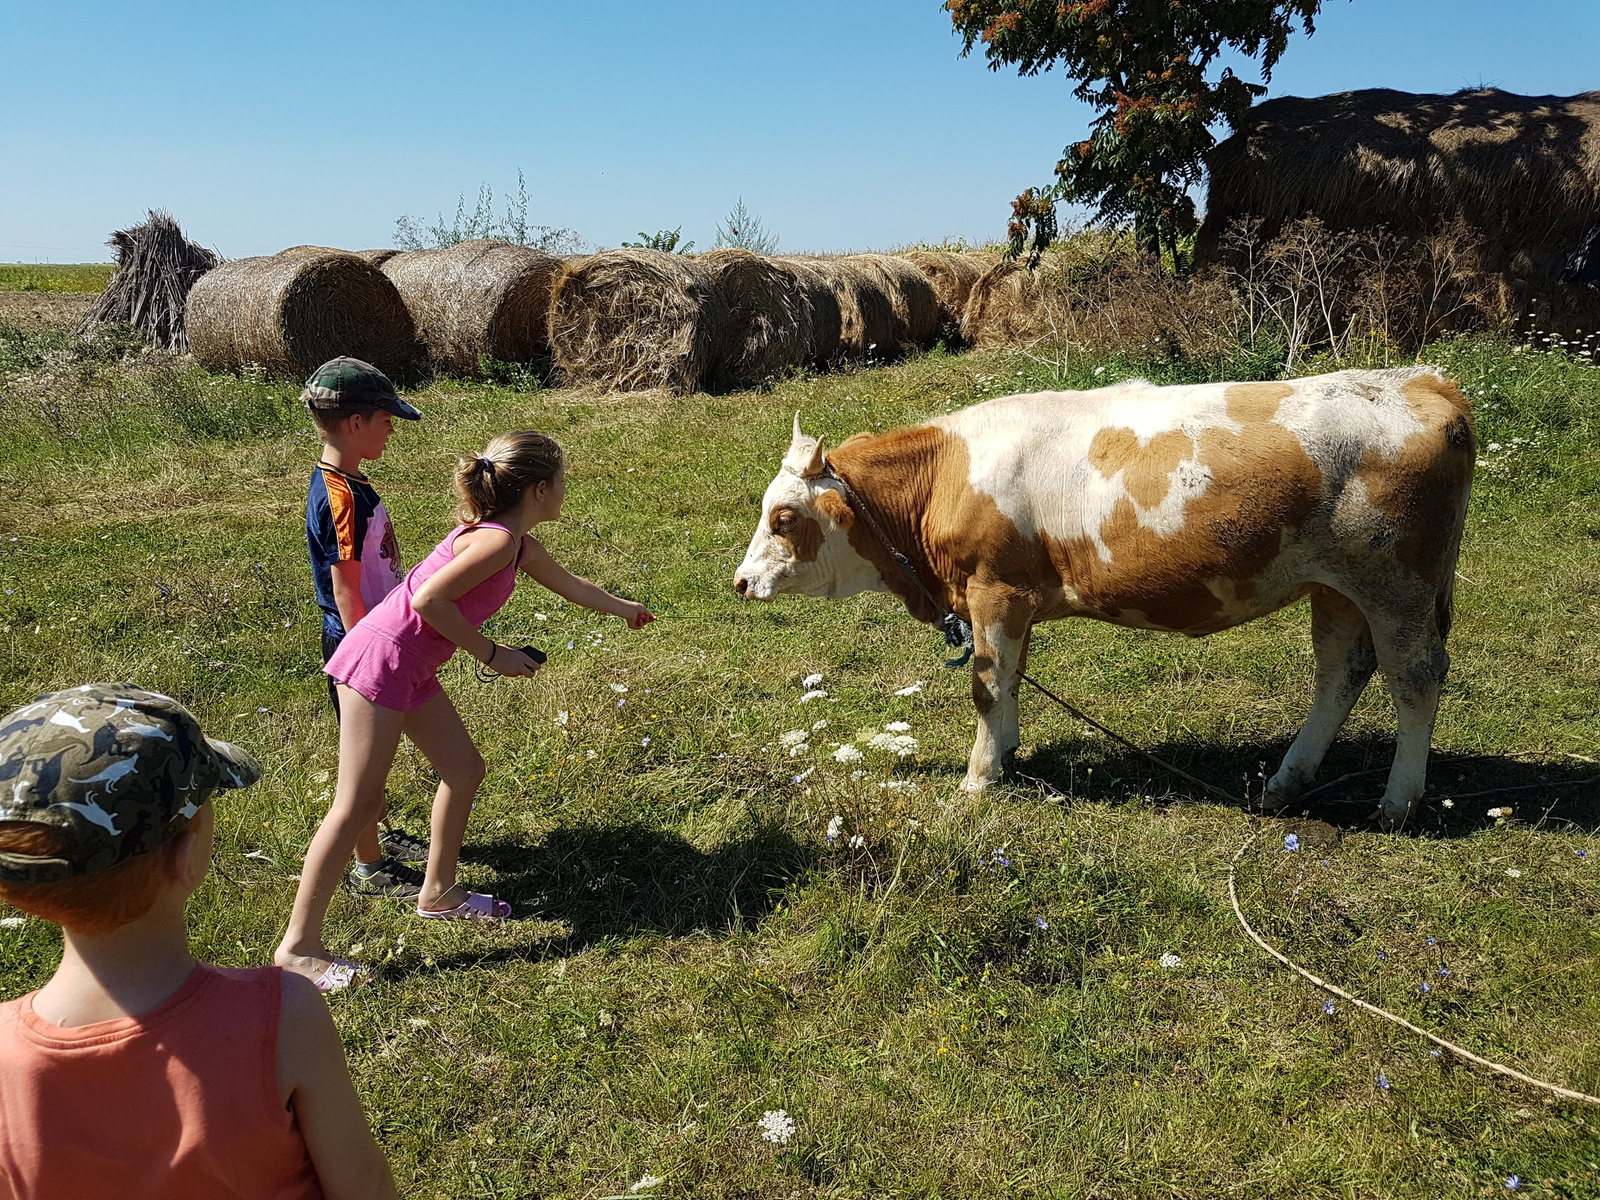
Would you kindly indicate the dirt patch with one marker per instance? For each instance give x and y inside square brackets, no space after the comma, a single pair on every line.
[43,310]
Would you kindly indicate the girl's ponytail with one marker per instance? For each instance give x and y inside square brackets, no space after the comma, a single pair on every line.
[495,480]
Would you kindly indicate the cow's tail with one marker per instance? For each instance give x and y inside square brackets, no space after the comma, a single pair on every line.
[1444,601]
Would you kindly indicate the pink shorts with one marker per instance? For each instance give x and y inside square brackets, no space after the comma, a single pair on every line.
[383,671]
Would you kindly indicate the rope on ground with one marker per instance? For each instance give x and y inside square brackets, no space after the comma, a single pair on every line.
[1458,1051]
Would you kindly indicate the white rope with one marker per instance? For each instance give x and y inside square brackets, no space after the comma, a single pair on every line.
[1497,1068]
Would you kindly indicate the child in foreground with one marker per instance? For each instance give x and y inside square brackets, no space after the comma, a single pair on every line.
[355,563]
[137,1072]
[387,672]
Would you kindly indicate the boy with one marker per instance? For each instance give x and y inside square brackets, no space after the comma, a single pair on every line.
[137,1072]
[355,561]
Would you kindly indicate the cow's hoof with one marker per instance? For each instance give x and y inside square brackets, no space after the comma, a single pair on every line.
[1272,801]
[973,784]
[1392,820]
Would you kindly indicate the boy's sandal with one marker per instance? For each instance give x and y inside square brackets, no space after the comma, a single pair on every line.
[476,907]
[400,845]
[339,975]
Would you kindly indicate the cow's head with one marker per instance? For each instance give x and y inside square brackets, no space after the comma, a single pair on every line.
[803,542]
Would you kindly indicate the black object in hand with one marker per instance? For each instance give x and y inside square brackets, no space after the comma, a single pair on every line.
[533,652]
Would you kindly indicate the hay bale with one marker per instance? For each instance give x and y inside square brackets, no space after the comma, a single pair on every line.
[866,316]
[376,257]
[477,299]
[1003,307]
[308,251]
[291,315]
[951,277]
[156,269]
[636,319]
[822,310]
[911,300]
[769,318]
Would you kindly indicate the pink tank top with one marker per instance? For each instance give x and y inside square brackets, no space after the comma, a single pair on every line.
[179,1103]
[395,619]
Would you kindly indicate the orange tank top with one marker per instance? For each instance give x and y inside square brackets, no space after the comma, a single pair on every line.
[176,1104]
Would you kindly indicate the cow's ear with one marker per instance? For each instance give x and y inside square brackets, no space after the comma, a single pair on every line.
[832,505]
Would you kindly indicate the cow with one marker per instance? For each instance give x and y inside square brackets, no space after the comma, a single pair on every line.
[1188,509]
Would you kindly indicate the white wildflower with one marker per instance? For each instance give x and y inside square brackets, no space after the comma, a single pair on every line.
[897,727]
[835,827]
[858,842]
[619,688]
[1493,446]
[811,681]
[799,748]
[1171,961]
[1447,802]
[903,745]
[793,738]
[910,691]
[776,1126]
[813,694]
[1514,873]
[1497,813]
[822,724]
[591,754]
[539,616]
[647,1182]
[12,922]
[562,717]
[899,785]
[803,776]
[847,754]
[859,774]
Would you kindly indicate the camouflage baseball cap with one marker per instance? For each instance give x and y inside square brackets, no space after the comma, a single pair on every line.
[351,383]
[111,765]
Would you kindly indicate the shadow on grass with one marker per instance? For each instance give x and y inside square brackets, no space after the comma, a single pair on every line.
[627,880]
[1562,793]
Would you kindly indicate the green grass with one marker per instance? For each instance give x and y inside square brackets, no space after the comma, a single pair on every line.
[690,951]
[55,277]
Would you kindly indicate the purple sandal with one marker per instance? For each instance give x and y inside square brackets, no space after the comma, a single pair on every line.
[476,907]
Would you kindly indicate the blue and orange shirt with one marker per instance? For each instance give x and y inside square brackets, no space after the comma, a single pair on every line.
[346,521]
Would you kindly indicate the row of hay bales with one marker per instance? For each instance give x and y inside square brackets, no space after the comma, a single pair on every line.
[622,319]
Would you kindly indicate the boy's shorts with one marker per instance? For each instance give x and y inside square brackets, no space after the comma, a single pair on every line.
[330,643]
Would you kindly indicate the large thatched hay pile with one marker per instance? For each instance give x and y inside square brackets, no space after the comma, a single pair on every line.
[376,257]
[951,277]
[636,319]
[291,314]
[476,300]
[769,320]
[1003,307]
[912,304]
[156,268]
[866,316]
[822,310]
[1522,173]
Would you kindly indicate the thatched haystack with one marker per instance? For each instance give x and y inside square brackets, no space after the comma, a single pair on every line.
[769,317]
[156,268]
[376,257]
[291,315]
[866,317]
[951,277]
[1521,172]
[1004,307]
[911,300]
[476,300]
[822,310]
[630,320]
[308,251]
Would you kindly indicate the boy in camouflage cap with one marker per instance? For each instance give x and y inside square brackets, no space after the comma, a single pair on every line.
[137,1071]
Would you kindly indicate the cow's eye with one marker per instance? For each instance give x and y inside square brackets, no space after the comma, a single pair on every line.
[782,519]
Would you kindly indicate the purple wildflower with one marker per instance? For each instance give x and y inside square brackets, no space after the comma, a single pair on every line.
[1291,842]
[1430,941]
[1513,1183]
[1426,988]
[1327,1007]
[1383,1081]
[1041,923]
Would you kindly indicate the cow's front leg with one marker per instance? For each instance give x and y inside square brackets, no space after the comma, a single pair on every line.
[1001,621]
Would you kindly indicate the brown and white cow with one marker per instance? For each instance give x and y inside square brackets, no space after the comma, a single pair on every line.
[1188,509]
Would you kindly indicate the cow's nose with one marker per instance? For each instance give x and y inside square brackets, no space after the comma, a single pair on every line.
[741,584]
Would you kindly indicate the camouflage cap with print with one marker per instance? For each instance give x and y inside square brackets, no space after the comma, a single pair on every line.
[350,383]
[111,766]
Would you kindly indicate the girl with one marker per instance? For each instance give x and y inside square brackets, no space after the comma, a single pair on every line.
[387,674]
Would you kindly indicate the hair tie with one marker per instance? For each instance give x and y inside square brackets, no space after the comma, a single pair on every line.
[488,463]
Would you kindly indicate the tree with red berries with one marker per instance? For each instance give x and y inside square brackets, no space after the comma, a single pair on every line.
[1146,66]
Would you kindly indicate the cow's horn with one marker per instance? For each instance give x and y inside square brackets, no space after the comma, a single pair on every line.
[818,461]
[797,434]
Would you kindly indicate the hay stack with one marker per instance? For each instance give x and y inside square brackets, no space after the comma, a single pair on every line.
[156,268]
[291,315]
[1522,172]
[376,257]
[477,299]
[308,251]
[1003,307]
[636,319]
[911,300]
[866,317]
[769,318]
[822,310]
[951,277]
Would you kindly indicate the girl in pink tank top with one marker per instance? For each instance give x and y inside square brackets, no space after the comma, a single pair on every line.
[387,674]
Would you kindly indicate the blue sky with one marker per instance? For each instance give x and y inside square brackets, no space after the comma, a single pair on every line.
[846,124]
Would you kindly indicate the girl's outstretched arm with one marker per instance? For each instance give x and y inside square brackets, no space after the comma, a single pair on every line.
[479,553]
[542,569]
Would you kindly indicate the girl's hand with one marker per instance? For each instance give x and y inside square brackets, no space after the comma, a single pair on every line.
[508,660]
[636,615]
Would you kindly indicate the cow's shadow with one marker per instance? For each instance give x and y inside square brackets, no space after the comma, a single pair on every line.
[594,883]
[1564,794]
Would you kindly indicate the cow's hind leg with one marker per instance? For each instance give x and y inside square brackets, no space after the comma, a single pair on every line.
[1000,634]
[1342,641]
[1414,661]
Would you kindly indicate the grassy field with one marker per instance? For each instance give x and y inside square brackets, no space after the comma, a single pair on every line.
[55,277]
[969,1001]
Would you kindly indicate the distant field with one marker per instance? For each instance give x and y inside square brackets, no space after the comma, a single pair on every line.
[54,277]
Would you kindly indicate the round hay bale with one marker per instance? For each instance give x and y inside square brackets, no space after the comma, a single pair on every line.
[477,299]
[1003,306]
[822,308]
[376,257]
[866,317]
[636,319]
[911,299]
[951,277]
[291,315]
[308,251]
[769,320]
